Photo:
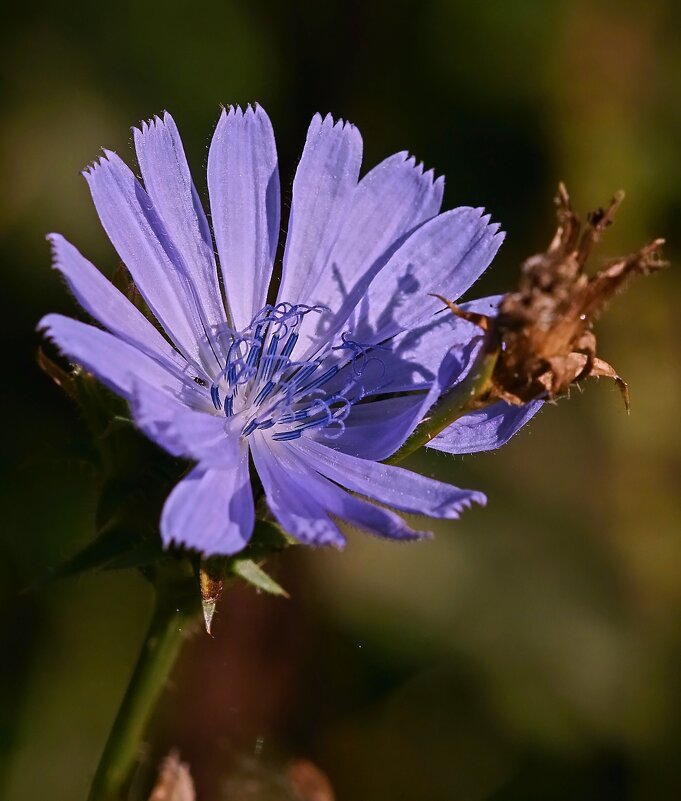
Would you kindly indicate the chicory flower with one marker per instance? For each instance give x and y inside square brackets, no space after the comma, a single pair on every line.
[315,379]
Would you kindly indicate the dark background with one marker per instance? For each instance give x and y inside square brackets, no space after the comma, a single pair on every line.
[533,649]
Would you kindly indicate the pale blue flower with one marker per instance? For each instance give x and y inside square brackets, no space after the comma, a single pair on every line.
[315,378]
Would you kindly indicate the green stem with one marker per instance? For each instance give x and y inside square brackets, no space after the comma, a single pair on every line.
[171,622]
[459,400]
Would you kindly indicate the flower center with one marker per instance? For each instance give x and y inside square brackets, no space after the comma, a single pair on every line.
[261,380]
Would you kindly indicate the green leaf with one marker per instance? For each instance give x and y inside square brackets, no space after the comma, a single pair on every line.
[251,572]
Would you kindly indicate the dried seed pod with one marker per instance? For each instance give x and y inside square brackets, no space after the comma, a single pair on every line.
[543,331]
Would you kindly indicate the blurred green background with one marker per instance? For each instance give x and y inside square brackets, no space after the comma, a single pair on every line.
[533,649]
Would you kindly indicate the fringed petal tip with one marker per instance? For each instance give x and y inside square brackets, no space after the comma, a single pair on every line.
[404,534]
[253,114]
[419,168]
[235,111]
[106,161]
[187,545]
[455,509]
[61,252]
[327,540]
[44,326]
[155,125]
[491,231]
[326,124]
[496,232]
[474,497]
[48,327]
[56,242]
[484,218]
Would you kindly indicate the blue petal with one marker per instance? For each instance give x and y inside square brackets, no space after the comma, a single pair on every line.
[486,429]
[376,430]
[211,510]
[109,306]
[394,486]
[411,360]
[169,185]
[243,183]
[137,233]
[297,509]
[339,503]
[117,363]
[200,435]
[322,192]
[364,515]
[444,256]
[390,201]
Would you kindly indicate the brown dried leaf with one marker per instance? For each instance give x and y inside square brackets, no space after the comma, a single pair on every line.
[543,328]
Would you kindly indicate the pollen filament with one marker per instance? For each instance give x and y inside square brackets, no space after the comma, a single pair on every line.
[263,382]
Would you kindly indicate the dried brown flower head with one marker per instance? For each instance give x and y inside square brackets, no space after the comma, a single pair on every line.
[543,333]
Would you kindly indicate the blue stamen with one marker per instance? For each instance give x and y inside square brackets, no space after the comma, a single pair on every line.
[283,436]
[254,355]
[295,417]
[322,379]
[290,344]
[258,360]
[249,428]
[265,392]
[270,357]
[303,373]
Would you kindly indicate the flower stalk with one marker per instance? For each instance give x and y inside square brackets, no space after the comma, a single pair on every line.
[176,610]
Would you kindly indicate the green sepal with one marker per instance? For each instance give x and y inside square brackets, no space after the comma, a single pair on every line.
[267,539]
[216,571]
[253,574]
[97,404]
[134,477]
[62,378]
[114,548]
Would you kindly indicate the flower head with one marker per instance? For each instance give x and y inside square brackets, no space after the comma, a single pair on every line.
[316,381]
